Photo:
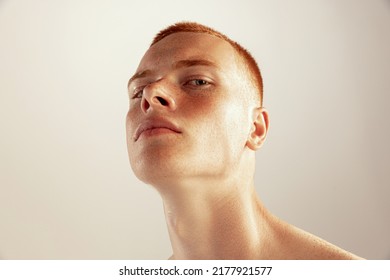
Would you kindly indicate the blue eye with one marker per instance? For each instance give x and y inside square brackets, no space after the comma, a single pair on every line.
[198,82]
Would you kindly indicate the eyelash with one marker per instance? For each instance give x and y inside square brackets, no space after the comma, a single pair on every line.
[139,91]
[206,83]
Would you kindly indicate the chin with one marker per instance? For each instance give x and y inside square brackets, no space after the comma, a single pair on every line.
[157,170]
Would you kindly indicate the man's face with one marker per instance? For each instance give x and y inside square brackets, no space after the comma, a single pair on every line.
[190,113]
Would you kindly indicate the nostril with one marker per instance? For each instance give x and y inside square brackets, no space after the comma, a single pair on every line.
[162,101]
[145,104]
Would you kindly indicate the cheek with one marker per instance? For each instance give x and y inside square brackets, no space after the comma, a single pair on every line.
[128,123]
[131,149]
[236,124]
[131,121]
[224,122]
[132,117]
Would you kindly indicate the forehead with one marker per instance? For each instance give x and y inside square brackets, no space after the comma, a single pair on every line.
[187,45]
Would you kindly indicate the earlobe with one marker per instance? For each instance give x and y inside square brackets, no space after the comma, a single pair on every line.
[260,125]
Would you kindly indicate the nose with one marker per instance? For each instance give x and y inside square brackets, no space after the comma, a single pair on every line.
[157,96]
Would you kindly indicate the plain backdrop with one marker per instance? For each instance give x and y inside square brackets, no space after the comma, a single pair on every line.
[66,187]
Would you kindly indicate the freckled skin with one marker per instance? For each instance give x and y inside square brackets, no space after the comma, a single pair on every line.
[204,174]
[214,121]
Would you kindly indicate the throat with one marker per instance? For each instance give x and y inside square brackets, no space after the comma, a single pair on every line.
[221,227]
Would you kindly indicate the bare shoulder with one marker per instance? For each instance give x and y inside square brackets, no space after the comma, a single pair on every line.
[291,242]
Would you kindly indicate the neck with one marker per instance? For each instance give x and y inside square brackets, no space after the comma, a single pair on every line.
[215,220]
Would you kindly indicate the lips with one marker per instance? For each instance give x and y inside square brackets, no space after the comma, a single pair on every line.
[152,124]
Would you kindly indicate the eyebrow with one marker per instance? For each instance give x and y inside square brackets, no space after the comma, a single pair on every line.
[176,65]
[193,62]
[138,75]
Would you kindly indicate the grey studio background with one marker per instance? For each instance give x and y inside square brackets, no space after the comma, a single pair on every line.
[66,188]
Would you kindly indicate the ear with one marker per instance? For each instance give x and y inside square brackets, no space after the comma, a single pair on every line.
[259,128]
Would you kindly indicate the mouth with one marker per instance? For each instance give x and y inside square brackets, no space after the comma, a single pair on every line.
[155,127]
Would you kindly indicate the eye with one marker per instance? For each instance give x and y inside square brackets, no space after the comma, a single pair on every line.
[138,92]
[198,82]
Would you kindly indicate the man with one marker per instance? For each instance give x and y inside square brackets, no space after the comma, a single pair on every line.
[194,123]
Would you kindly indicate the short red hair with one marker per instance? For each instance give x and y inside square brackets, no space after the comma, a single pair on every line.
[249,62]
